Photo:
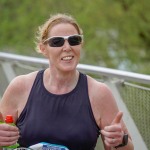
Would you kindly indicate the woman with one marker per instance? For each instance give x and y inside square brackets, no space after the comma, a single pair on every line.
[59,104]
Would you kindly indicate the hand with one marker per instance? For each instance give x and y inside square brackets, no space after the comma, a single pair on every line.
[8,134]
[113,134]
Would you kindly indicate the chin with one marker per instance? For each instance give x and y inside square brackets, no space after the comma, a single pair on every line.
[68,68]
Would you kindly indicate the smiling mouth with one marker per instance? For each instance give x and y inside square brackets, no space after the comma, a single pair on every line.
[67,58]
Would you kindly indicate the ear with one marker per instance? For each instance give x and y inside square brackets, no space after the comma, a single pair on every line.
[43,49]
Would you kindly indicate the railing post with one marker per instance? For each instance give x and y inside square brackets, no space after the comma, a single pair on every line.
[8,70]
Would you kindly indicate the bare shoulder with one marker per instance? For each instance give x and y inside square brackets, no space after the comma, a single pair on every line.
[97,88]
[21,83]
[16,94]
[102,100]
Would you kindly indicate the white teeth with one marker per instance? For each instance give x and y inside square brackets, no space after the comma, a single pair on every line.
[67,58]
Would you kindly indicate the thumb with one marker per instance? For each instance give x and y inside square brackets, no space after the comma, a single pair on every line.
[1,117]
[117,118]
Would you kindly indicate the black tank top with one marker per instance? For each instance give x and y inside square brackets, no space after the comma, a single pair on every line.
[65,119]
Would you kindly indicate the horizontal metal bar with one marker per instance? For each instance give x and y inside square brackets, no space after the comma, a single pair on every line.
[28,59]
[111,73]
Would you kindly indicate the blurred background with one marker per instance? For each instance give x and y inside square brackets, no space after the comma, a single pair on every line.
[116,33]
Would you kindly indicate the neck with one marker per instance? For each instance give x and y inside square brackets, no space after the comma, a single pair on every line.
[60,83]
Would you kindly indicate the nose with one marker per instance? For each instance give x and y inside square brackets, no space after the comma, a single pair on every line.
[66,46]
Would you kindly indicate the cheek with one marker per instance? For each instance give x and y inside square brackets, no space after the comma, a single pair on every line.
[54,55]
[78,51]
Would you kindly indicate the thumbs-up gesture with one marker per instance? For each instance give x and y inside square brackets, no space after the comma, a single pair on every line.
[8,134]
[117,118]
[113,134]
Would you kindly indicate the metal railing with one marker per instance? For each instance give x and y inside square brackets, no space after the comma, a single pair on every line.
[131,91]
[130,76]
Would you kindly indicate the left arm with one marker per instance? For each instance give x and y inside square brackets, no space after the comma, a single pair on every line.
[108,117]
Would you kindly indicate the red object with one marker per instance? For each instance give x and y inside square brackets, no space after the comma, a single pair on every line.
[9,119]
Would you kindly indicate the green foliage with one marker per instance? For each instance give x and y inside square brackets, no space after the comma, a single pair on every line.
[116,33]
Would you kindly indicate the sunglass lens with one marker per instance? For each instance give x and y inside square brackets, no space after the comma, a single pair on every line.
[56,42]
[74,40]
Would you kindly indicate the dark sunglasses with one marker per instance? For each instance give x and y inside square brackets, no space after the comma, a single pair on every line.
[58,41]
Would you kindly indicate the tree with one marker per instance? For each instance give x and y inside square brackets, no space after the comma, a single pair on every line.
[116,33]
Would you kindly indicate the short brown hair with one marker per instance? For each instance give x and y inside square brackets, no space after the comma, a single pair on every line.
[43,30]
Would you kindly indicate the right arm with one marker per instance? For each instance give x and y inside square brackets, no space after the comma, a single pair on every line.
[9,105]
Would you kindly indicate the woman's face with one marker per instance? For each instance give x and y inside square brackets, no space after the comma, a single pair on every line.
[65,57]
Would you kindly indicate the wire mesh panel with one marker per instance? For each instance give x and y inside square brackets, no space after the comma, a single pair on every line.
[137,99]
